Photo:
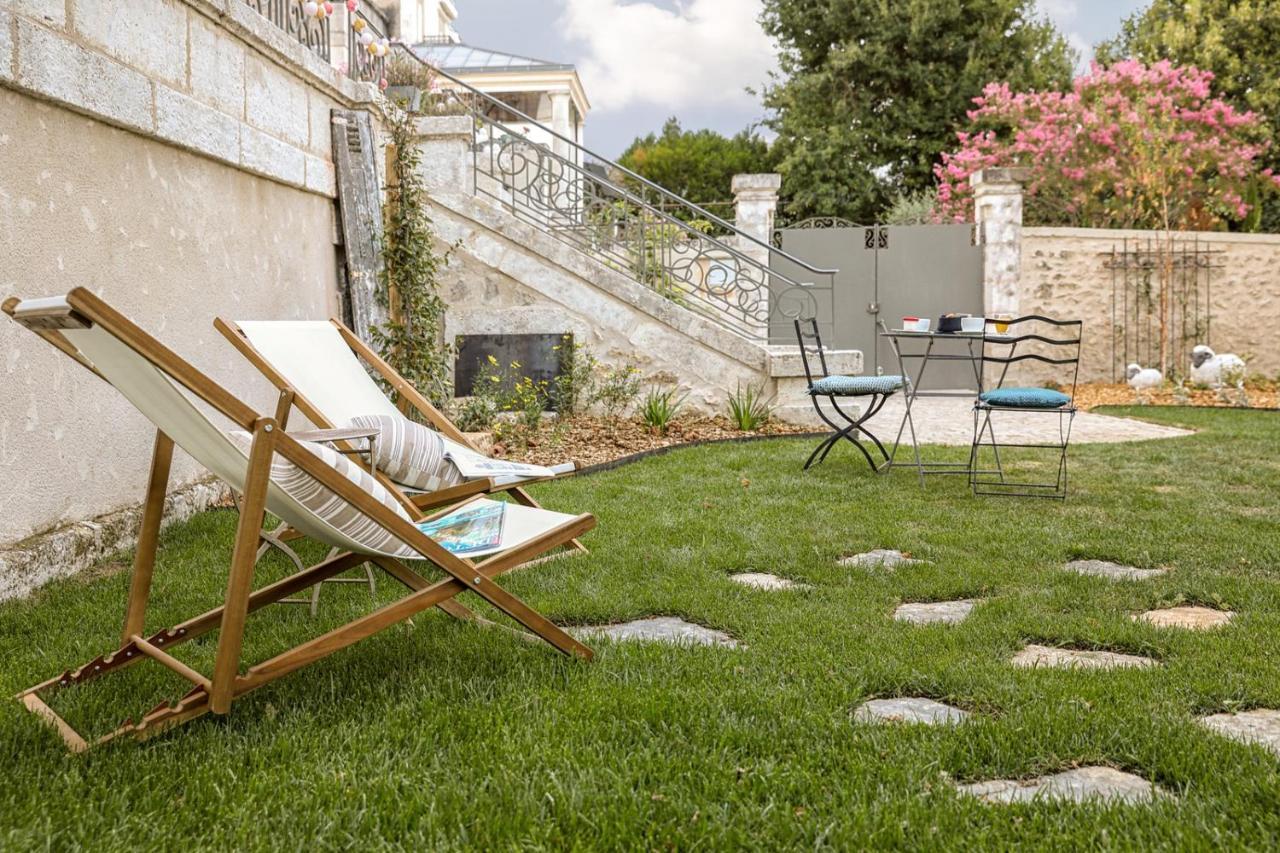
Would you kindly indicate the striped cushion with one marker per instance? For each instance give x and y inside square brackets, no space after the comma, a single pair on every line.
[322,501]
[856,386]
[409,453]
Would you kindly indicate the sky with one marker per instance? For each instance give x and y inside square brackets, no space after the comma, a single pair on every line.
[644,60]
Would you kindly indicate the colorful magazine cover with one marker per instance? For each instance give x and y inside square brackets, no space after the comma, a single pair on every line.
[477,527]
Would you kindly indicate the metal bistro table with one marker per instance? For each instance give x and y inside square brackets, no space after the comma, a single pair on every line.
[973,342]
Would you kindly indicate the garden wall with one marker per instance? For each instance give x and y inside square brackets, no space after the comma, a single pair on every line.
[1063,273]
[173,156]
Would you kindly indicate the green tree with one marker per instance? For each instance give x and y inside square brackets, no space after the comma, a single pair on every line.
[1238,40]
[871,92]
[697,164]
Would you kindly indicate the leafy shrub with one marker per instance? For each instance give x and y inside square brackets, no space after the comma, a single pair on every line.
[617,389]
[659,408]
[748,408]
[574,387]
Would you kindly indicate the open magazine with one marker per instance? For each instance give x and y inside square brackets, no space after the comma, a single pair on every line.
[474,466]
[474,528]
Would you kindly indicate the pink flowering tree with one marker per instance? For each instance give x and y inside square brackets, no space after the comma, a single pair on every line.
[1130,146]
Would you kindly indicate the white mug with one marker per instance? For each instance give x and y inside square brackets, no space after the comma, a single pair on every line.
[922,325]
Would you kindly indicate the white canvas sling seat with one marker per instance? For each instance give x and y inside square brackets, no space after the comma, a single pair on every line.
[317,362]
[183,403]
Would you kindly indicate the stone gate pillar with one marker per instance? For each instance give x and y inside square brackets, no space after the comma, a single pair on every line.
[997,202]
[445,144]
[755,202]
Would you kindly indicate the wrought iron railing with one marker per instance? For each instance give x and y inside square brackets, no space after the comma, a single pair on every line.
[362,64]
[679,249]
[311,31]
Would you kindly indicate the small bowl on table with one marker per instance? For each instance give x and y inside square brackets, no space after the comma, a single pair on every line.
[972,324]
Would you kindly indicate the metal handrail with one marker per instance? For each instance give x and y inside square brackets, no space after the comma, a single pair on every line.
[702,212]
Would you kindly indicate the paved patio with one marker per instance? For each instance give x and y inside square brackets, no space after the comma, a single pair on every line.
[949,420]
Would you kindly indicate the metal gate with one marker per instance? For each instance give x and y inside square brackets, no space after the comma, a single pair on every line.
[885,272]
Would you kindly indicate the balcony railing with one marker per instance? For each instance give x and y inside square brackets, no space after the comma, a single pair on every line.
[679,249]
[288,16]
[361,64]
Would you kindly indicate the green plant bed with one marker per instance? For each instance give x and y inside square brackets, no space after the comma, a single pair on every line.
[443,735]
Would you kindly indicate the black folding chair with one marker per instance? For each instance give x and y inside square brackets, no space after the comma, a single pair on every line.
[1025,344]
[878,388]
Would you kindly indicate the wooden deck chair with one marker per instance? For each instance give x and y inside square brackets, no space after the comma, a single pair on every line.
[178,399]
[320,363]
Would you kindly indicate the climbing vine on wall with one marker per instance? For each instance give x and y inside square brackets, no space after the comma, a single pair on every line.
[412,339]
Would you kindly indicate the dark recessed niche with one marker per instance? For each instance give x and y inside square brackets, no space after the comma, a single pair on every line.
[537,355]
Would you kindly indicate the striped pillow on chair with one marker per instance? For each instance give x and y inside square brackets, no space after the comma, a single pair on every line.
[409,453]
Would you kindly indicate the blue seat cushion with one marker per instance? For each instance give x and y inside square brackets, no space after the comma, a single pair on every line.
[855,386]
[1025,398]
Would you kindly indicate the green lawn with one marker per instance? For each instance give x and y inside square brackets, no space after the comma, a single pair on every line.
[439,734]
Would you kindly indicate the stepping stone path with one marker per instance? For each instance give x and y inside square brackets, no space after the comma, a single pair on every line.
[1191,618]
[659,629]
[909,709]
[926,612]
[764,580]
[1049,656]
[880,558]
[1260,726]
[1076,786]
[1113,571]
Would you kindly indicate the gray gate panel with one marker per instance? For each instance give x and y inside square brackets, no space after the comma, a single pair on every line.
[928,271]
[841,300]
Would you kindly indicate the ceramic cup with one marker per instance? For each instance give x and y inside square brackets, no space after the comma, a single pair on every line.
[972,324]
[922,325]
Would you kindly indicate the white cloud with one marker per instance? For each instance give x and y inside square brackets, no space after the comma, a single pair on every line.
[704,52]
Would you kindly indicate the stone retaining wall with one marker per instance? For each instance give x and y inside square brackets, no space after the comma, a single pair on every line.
[173,156]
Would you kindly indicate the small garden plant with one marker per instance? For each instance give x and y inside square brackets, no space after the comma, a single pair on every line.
[659,407]
[748,408]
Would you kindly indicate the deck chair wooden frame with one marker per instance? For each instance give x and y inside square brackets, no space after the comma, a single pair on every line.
[122,344]
[409,397]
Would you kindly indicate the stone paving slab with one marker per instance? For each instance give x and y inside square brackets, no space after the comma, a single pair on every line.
[926,612]
[764,580]
[1112,571]
[949,421]
[909,709]
[881,558]
[1260,726]
[659,629]
[1192,618]
[1077,786]
[1049,656]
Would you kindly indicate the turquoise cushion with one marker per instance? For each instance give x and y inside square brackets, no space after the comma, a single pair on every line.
[1025,398]
[856,386]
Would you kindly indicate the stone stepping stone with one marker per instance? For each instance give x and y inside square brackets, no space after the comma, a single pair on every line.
[764,580]
[908,709]
[1113,571]
[1190,617]
[927,612]
[881,558]
[1075,786]
[659,629]
[1050,656]
[1260,726]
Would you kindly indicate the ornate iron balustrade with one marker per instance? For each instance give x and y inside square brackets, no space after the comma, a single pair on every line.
[288,16]
[675,247]
[361,64]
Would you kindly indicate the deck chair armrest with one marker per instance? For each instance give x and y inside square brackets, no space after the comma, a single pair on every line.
[453,494]
[350,434]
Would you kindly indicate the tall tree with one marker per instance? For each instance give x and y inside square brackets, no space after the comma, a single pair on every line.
[871,92]
[1238,40]
[697,164]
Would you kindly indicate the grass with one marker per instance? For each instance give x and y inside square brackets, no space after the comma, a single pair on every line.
[442,735]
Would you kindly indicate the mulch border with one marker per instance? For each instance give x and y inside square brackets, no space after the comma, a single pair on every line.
[600,467]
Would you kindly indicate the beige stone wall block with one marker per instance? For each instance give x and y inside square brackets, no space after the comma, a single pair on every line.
[193,125]
[276,101]
[59,69]
[319,112]
[52,12]
[172,239]
[7,58]
[271,157]
[217,67]
[150,35]
[321,177]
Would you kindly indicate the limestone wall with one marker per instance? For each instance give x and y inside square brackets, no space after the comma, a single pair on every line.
[174,157]
[1063,274]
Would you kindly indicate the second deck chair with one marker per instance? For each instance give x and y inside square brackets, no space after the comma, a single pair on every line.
[177,399]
